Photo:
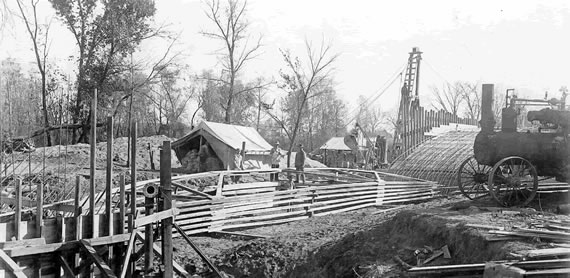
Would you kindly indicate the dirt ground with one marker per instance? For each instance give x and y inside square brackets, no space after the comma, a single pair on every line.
[363,243]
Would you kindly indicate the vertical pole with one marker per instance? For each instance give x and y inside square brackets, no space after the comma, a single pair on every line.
[39,208]
[77,215]
[166,194]
[109,176]
[18,215]
[121,227]
[108,187]
[93,152]
[148,239]
[133,173]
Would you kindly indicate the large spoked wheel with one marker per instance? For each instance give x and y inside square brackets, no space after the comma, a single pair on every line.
[513,181]
[472,179]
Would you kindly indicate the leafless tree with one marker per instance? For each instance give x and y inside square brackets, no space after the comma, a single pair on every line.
[232,29]
[39,36]
[472,99]
[301,82]
[448,98]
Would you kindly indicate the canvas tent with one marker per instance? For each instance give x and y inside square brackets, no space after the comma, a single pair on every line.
[224,140]
[336,153]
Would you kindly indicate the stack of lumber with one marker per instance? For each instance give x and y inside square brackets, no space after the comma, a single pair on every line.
[549,230]
[326,191]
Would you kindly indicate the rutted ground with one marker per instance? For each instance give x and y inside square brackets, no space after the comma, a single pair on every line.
[363,243]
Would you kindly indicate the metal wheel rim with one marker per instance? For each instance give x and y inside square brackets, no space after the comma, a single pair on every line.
[467,179]
[513,181]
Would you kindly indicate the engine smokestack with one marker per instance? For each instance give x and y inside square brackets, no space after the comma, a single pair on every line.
[487,116]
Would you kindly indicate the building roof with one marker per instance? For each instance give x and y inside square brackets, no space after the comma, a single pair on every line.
[231,135]
[335,143]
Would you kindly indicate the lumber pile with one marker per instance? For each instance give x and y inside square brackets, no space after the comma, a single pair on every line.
[326,191]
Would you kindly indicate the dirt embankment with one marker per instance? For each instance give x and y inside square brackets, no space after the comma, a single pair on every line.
[364,243]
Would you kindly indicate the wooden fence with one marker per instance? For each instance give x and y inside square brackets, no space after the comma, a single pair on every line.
[417,121]
[327,191]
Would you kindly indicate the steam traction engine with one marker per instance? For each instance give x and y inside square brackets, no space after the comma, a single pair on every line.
[507,164]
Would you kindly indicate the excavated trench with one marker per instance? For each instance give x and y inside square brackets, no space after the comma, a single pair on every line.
[367,253]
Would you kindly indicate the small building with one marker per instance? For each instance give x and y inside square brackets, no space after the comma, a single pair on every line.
[336,153]
[223,140]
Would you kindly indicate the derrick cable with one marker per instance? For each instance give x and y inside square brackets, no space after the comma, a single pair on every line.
[378,94]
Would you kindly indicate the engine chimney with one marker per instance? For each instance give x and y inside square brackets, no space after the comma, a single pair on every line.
[487,116]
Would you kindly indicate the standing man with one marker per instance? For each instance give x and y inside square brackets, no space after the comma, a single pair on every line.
[300,163]
[276,155]
[203,154]
[238,161]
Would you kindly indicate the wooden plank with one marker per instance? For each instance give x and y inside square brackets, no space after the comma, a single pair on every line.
[241,234]
[109,180]
[317,208]
[345,209]
[263,223]
[67,269]
[189,241]
[166,191]
[157,250]
[247,191]
[18,209]
[251,185]
[549,252]
[63,246]
[92,166]
[99,262]
[179,185]
[155,217]
[11,265]
[133,160]
[127,257]
[22,243]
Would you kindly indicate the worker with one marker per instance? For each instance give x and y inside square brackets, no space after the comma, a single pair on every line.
[203,154]
[276,156]
[238,161]
[300,163]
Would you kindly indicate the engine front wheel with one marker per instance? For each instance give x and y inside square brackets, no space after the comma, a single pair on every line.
[513,181]
[472,179]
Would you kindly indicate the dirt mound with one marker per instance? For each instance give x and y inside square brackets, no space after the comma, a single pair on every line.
[371,253]
[269,258]
[146,147]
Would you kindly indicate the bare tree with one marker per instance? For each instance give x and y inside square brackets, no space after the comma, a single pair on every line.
[232,29]
[301,83]
[41,49]
[448,98]
[472,99]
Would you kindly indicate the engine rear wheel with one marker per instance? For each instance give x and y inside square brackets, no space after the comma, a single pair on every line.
[513,181]
[472,179]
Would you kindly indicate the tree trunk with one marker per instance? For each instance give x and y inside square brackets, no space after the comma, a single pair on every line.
[44,106]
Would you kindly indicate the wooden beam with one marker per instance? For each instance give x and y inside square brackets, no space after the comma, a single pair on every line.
[109,177]
[179,185]
[22,243]
[166,195]
[67,269]
[92,166]
[133,160]
[176,267]
[127,257]
[189,241]
[99,262]
[63,246]
[155,217]
[11,265]
[18,209]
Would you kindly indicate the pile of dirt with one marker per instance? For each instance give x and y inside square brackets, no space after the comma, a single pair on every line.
[262,258]
[147,148]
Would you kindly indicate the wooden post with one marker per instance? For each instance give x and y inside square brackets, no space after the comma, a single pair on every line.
[93,153]
[122,203]
[18,215]
[148,241]
[242,155]
[77,215]
[39,208]
[109,177]
[166,194]
[133,174]
[108,188]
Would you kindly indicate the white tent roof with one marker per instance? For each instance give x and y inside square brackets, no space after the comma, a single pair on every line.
[335,143]
[234,135]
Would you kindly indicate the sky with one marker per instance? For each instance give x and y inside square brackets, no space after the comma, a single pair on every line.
[515,44]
